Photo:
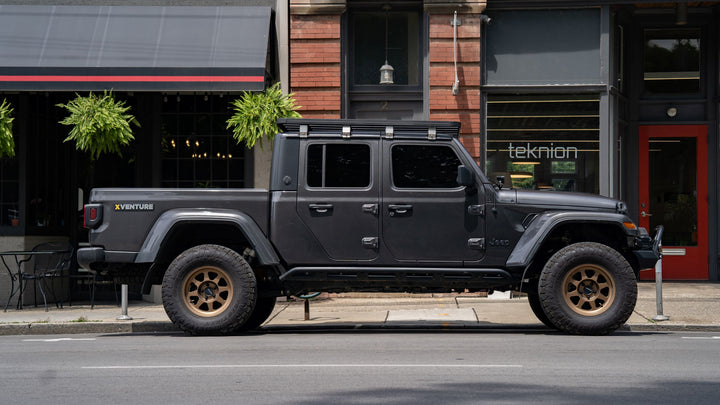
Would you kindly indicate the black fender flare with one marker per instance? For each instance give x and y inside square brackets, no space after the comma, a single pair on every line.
[264,251]
[545,223]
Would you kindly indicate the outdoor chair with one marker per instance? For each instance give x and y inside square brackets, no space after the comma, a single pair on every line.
[48,267]
[92,279]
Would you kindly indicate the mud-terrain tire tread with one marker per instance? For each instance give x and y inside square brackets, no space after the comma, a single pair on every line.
[536,306]
[241,305]
[550,289]
[263,309]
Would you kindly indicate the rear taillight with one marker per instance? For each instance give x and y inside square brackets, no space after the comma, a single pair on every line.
[92,216]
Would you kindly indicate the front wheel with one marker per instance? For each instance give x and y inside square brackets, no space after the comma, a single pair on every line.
[536,306]
[209,289]
[587,288]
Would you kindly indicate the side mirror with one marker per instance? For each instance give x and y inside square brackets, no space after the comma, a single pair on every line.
[465,176]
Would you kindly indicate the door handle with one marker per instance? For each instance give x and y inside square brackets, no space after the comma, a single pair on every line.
[645,214]
[399,209]
[320,208]
[370,209]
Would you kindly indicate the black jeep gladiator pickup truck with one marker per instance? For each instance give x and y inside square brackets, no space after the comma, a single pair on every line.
[358,205]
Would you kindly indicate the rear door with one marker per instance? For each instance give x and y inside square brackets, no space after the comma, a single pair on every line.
[338,197]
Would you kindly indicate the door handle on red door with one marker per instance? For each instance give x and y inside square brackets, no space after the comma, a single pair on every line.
[399,209]
[320,208]
[645,214]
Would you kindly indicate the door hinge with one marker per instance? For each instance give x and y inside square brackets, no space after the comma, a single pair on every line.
[478,210]
[370,242]
[476,243]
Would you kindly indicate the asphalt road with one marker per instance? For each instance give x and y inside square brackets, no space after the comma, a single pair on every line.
[362,367]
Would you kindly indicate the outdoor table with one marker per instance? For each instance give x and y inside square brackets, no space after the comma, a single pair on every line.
[20,257]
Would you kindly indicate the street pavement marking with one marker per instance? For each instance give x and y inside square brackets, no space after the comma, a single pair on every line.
[306,366]
[57,340]
[701,337]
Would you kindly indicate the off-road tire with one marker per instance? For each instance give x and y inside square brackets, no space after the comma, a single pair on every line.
[587,288]
[534,301]
[263,309]
[209,290]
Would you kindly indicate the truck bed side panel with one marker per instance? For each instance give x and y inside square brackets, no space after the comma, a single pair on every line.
[131,213]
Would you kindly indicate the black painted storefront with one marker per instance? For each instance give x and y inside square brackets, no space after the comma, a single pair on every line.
[178,68]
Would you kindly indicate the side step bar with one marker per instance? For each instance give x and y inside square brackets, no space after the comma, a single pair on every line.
[418,277]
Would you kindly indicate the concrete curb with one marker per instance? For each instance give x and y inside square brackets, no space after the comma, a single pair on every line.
[73,328]
[168,327]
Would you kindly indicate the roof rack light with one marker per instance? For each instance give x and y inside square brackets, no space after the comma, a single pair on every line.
[303,132]
[432,133]
[346,132]
[389,132]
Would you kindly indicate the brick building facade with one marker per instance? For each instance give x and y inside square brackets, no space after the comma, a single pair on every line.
[319,62]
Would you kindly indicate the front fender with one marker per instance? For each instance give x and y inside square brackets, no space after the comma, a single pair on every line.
[544,224]
[151,247]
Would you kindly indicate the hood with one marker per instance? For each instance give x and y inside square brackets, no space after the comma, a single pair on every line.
[561,200]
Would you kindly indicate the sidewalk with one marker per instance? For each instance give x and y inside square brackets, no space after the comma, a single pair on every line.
[690,306]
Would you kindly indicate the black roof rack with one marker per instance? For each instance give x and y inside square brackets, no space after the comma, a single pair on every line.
[348,128]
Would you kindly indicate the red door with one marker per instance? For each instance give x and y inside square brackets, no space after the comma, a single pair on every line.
[673,193]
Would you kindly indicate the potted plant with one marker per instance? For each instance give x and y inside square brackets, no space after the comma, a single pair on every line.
[7,143]
[100,124]
[255,115]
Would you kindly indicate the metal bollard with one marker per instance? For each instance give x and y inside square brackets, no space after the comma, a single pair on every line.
[307,309]
[124,303]
[658,292]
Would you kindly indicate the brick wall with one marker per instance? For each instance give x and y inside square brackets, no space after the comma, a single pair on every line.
[315,64]
[465,106]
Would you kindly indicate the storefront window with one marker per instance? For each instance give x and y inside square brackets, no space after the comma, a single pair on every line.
[544,142]
[9,195]
[672,61]
[197,149]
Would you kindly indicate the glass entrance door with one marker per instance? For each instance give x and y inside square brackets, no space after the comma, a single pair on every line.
[673,193]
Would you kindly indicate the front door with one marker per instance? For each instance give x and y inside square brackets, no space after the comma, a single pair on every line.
[426,216]
[673,193]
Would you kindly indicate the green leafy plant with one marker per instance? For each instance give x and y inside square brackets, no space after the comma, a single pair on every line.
[255,115]
[100,124]
[7,143]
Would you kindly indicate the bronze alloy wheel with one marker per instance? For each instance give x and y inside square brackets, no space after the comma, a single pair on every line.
[589,289]
[207,291]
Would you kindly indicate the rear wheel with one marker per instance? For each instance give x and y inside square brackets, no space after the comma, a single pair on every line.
[209,289]
[587,288]
[263,309]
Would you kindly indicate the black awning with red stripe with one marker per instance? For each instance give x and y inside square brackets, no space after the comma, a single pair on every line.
[133,48]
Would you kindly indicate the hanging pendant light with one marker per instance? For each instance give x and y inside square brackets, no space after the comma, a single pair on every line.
[386,71]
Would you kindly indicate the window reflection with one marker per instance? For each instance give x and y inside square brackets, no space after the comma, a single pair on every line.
[544,141]
[672,61]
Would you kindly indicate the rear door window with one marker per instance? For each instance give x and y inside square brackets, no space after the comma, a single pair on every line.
[338,165]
